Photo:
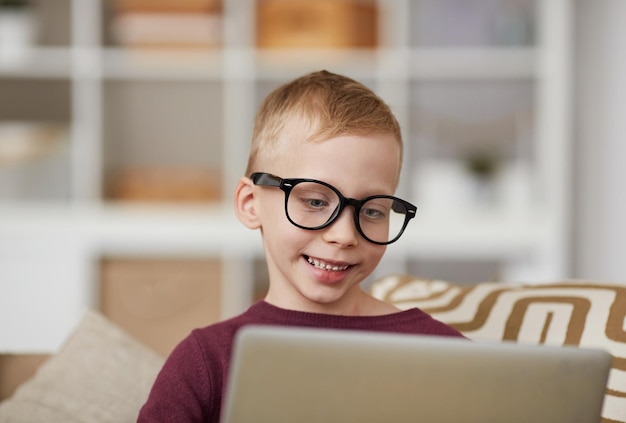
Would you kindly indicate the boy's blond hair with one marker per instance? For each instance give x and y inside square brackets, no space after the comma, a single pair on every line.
[330,104]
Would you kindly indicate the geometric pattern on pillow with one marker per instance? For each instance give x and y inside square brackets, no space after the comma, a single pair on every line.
[100,375]
[581,313]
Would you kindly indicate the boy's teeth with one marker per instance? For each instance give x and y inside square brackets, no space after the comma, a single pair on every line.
[326,266]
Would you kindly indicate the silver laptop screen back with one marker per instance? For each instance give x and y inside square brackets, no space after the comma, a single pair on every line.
[313,375]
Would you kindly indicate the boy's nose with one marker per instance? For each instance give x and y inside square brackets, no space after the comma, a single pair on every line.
[342,231]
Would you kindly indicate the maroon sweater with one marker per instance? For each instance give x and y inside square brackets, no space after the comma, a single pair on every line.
[191,384]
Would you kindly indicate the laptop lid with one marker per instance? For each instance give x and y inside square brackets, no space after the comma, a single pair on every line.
[316,375]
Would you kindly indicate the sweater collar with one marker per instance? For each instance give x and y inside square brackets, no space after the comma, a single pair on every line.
[272,314]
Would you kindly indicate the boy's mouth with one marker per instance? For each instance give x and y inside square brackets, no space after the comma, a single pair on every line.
[324,265]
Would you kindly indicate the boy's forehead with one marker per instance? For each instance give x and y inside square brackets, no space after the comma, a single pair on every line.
[300,131]
[335,158]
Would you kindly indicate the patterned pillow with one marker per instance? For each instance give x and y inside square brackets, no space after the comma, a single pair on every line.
[587,314]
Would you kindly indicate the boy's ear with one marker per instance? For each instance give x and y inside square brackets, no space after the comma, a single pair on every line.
[246,204]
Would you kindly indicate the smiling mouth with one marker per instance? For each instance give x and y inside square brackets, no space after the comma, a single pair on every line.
[321,264]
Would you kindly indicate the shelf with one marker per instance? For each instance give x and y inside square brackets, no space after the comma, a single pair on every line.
[176,64]
[134,229]
[278,64]
[41,62]
[480,235]
[213,230]
[285,64]
[170,231]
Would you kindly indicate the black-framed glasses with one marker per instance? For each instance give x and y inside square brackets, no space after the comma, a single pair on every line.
[312,204]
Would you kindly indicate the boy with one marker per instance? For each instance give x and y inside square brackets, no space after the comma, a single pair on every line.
[323,167]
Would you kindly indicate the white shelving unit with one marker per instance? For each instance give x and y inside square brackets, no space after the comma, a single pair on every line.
[49,251]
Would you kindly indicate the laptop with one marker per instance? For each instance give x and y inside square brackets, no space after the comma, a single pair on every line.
[285,374]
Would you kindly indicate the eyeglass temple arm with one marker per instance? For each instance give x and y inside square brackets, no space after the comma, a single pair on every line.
[399,207]
[267,179]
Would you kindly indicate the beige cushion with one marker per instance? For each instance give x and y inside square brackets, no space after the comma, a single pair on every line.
[583,313]
[100,375]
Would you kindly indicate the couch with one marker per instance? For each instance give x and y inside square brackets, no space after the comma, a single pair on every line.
[102,374]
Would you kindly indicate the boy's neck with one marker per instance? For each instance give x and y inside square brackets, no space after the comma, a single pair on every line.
[362,305]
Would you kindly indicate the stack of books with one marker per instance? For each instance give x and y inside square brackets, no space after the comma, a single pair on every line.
[166,185]
[23,141]
[167,23]
[317,24]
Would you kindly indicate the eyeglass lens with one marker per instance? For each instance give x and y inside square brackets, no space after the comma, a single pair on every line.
[312,205]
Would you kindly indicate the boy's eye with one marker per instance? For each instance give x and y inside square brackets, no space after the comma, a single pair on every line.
[314,196]
[316,203]
[373,213]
